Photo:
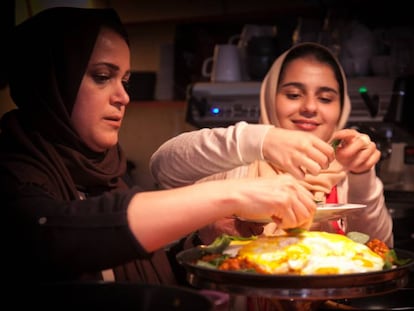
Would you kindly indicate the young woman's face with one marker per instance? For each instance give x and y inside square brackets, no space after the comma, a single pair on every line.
[100,104]
[308,98]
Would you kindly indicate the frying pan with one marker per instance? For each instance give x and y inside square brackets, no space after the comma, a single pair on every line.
[312,287]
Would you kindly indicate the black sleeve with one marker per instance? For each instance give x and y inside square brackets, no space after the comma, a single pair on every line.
[47,236]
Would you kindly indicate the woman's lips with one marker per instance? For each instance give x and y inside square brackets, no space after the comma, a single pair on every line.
[305,125]
[114,121]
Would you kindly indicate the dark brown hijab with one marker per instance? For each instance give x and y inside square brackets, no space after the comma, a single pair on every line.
[47,57]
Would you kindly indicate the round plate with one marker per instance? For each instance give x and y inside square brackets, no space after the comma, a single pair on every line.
[323,212]
[335,211]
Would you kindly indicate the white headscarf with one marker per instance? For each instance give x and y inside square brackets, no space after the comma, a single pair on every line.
[271,81]
[321,184]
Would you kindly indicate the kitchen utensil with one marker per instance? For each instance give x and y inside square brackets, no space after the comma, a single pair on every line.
[242,40]
[294,292]
[260,54]
[224,66]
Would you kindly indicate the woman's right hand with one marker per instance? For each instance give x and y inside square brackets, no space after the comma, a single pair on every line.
[297,152]
[281,198]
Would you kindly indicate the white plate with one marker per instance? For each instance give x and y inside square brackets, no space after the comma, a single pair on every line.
[335,211]
[324,212]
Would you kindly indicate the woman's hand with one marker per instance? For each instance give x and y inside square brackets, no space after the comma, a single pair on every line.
[281,198]
[297,152]
[230,226]
[356,152]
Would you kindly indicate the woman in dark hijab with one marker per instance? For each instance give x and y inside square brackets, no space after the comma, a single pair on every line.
[70,214]
[47,161]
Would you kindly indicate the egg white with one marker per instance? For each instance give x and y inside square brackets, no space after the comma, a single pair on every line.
[311,253]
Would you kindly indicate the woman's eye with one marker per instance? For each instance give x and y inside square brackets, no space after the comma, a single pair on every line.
[101,78]
[325,100]
[292,96]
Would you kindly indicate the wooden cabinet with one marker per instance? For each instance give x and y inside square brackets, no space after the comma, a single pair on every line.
[146,126]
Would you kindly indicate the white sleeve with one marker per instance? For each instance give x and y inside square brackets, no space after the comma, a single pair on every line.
[193,155]
[375,219]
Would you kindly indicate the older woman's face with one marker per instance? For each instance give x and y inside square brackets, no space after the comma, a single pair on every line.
[100,104]
[308,98]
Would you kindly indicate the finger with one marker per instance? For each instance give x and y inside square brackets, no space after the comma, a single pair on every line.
[326,152]
[314,162]
[297,214]
[364,141]
[350,136]
[294,170]
[345,134]
[365,164]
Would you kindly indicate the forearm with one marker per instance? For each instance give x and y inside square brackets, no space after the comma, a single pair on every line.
[193,155]
[160,217]
[375,219]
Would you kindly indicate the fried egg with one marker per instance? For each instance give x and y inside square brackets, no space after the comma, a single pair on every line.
[310,253]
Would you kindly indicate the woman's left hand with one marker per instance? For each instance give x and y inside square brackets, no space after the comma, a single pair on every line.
[356,152]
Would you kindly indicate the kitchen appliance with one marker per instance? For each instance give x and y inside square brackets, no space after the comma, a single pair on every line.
[223,104]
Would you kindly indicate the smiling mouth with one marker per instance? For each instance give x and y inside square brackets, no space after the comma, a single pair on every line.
[305,123]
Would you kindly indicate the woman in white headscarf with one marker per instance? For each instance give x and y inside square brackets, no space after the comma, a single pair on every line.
[304,108]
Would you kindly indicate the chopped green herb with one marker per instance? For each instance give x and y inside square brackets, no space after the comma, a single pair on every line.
[391,260]
[335,143]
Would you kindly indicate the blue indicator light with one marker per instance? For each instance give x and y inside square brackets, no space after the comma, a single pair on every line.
[215,110]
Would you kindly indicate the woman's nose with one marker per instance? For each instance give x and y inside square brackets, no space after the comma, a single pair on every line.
[121,94]
[309,104]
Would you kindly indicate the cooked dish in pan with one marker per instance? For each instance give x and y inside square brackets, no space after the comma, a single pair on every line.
[299,253]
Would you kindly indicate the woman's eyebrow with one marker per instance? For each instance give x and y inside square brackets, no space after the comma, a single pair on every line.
[297,84]
[328,89]
[110,65]
[294,84]
[302,87]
